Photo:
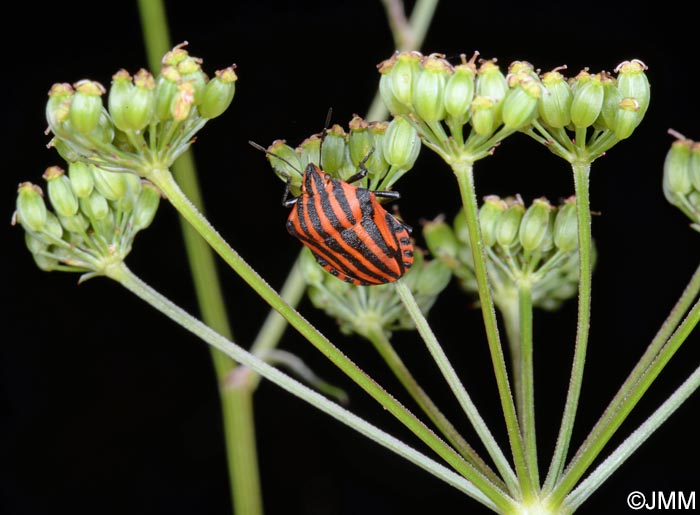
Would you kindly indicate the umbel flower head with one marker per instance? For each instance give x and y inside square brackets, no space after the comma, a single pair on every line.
[463,111]
[96,215]
[361,310]
[142,121]
[681,178]
[386,150]
[535,246]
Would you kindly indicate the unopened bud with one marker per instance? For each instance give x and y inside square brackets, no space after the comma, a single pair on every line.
[676,171]
[31,209]
[81,179]
[459,92]
[566,226]
[588,100]
[440,239]
[146,206]
[485,116]
[218,93]
[534,226]
[190,70]
[95,207]
[86,105]
[333,150]
[182,102]
[403,74]
[632,82]
[489,214]
[555,102]
[401,143]
[58,105]
[508,225]
[111,185]
[166,90]
[429,88]
[63,200]
[118,99]
[142,101]
[520,104]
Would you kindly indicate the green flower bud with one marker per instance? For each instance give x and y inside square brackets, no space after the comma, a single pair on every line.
[434,277]
[190,70]
[566,226]
[490,82]
[118,99]
[441,239]
[218,93]
[166,91]
[53,227]
[459,91]
[146,206]
[31,209]
[183,101]
[632,82]
[489,215]
[404,71]
[535,224]
[58,105]
[588,100]
[81,179]
[45,263]
[676,179]
[429,88]
[508,226]
[627,118]
[377,164]
[485,117]
[86,105]
[288,164]
[360,142]
[611,103]
[35,245]
[310,151]
[333,150]
[110,185]
[95,207]
[520,105]
[63,200]
[141,102]
[74,224]
[694,165]
[401,143]
[64,149]
[554,105]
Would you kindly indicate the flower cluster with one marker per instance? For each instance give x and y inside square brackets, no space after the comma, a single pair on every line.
[96,215]
[480,105]
[681,181]
[535,246]
[362,310]
[148,121]
[386,150]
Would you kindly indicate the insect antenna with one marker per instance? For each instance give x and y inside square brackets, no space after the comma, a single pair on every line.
[323,134]
[268,153]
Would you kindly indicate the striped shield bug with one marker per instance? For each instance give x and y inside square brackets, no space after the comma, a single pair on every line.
[346,228]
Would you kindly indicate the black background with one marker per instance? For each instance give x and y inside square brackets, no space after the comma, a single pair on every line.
[108,407]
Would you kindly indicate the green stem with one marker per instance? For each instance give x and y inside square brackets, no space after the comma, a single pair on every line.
[581,176]
[632,442]
[670,324]
[164,180]
[509,307]
[576,470]
[527,384]
[456,386]
[236,407]
[120,273]
[380,341]
[465,177]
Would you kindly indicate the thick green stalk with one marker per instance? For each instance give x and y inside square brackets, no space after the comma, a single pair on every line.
[632,442]
[164,180]
[236,405]
[457,387]
[581,176]
[527,383]
[670,324]
[576,469]
[494,500]
[464,172]
[510,311]
[423,400]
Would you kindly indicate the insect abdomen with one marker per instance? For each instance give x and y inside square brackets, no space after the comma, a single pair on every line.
[350,234]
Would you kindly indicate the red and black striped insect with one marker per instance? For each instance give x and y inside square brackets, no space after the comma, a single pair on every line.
[346,228]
